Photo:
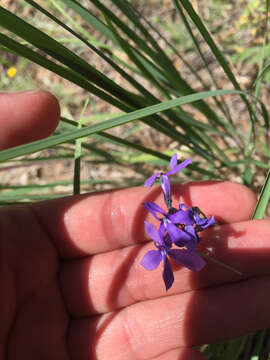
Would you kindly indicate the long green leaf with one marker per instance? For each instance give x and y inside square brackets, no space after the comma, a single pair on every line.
[218,54]
[92,129]
[78,154]
[60,70]
[263,201]
[58,51]
[159,66]
[224,108]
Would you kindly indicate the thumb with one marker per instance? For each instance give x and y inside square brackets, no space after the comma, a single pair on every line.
[27,116]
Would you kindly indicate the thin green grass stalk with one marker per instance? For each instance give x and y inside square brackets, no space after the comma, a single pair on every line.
[259,344]
[195,141]
[223,106]
[132,15]
[170,45]
[160,126]
[260,164]
[159,64]
[199,168]
[220,263]
[77,154]
[263,201]
[250,146]
[258,81]
[266,119]
[136,60]
[92,129]
[91,46]
[62,54]
[208,38]
[53,184]
[120,141]
[221,60]
[159,123]
[77,26]
[62,71]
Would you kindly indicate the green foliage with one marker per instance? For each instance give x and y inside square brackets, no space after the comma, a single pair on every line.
[151,89]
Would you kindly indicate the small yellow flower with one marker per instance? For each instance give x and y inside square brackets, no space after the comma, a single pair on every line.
[11,72]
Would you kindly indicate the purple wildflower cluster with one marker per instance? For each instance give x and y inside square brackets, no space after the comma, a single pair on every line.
[177,236]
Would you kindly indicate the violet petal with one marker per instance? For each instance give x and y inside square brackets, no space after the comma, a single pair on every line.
[166,189]
[173,161]
[167,242]
[182,217]
[182,205]
[190,260]
[152,232]
[151,259]
[162,229]
[179,167]
[153,209]
[167,273]
[188,239]
[150,181]
[175,233]
[209,222]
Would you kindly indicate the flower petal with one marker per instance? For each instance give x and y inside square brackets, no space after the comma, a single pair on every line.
[162,229]
[151,260]
[166,189]
[153,209]
[182,217]
[179,167]
[190,260]
[167,273]
[182,205]
[173,161]
[152,232]
[188,238]
[205,222]
[150,181]
[167,242]
[175,233]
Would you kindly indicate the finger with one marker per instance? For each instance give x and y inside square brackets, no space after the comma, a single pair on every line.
[107,221]
[116,279]
[181,354]
[151,328]
[27,116]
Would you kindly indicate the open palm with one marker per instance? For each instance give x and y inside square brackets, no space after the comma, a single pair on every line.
[72,286]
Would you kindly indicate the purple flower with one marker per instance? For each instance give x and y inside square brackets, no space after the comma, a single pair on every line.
[164,178]
[180,236]
[153,258]
[192,216]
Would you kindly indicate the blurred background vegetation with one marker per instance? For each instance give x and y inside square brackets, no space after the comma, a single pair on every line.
[238,28]
[140,56]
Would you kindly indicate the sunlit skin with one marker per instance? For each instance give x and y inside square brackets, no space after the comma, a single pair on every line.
[72,286]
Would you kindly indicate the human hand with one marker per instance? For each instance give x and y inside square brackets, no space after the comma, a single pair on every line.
[72,286]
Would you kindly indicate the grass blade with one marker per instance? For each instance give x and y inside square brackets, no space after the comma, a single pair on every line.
[92,129]
[77,154]
[263,201]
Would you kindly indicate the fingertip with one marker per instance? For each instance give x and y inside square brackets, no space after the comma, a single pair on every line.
[246,198]
[27,116]
[51,113]
[241,199]
[227,201]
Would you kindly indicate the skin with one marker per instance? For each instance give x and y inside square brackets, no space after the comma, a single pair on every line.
[72,286]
